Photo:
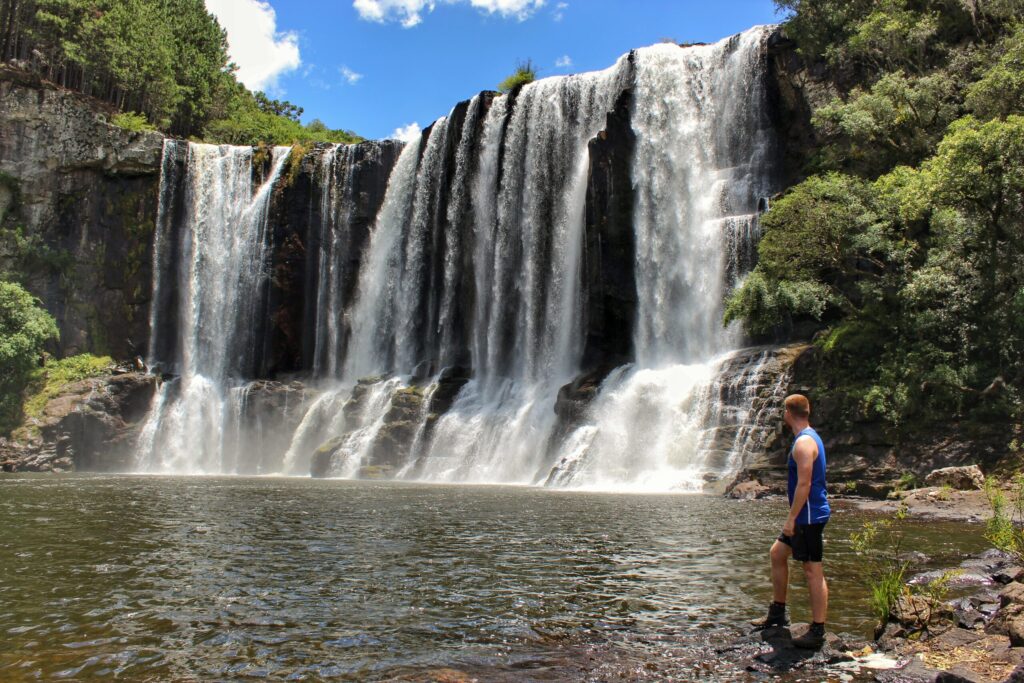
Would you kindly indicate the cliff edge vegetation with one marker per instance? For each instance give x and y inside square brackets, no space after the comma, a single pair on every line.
[902,250]
[160,64]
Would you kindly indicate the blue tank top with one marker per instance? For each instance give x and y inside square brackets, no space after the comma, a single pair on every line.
[816,510]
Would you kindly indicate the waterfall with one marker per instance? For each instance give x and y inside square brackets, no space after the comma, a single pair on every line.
[443,333]
[703,164]
[221,253]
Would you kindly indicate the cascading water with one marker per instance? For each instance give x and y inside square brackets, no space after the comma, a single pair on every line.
[703,164]
[221,252]
[440,343]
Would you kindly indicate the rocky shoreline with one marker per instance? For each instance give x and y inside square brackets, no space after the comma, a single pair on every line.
[975,638]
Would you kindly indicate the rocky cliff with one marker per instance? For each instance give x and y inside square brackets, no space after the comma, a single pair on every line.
[78,200]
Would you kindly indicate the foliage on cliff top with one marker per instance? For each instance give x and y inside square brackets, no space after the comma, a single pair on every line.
[251,119]
[167,60]
[25,328]
[132,122]
[905,243]
[525,73]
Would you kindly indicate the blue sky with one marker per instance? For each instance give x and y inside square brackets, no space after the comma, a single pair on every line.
[377,66]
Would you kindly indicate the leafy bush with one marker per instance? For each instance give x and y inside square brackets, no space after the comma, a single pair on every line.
[25,328]
[132,122]
[525,73]
[29,254]
[1005,528]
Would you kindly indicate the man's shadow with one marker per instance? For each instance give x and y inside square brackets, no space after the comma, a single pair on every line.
[784,655]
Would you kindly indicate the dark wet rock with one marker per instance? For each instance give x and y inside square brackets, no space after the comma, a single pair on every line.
[322,458]
[960,478]
[609,257]
[965,615]
[411,415]
[959,674]
[1015,629]
[270,413]
[1008,574]
[771,651]
[796,88]
[575,397]
[1011,608]
[1012,594]
[91,425]
[996,555]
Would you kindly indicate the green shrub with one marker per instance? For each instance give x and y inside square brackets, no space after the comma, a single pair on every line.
[1004,528]
[879,545]
[132,122]
[525,73]
[25,329]
[29,254]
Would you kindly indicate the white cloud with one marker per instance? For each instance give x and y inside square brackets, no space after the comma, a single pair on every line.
[559,12]
[350,76]
[406,133]
[563,62]
[410,12]
[261,52]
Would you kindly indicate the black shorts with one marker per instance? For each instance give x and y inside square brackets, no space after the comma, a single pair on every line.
[807,542]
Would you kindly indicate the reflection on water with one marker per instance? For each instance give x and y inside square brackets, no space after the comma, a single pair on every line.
[232,577]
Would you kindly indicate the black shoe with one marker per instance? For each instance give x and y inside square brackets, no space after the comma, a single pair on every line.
[776,617]
[813,639]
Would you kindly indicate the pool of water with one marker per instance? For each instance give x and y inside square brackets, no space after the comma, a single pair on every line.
[226,578]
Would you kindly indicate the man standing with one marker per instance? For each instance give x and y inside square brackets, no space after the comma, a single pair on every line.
[801,536]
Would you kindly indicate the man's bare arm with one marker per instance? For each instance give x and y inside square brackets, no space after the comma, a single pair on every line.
[804,453]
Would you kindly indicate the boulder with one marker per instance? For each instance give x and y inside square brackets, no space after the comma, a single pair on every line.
[960,478]
[1015,629]
[1012,594]
[91,425]
[321,462]
[912,611]
[749,490]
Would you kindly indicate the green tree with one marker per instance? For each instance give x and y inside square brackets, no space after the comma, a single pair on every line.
[25,328]
[898,120]
[1000,90]
[278,107]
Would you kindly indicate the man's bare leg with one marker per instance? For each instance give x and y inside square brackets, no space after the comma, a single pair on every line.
[818,588]
[780,554]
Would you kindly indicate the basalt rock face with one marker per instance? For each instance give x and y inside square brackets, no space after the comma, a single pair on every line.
[84,193]
[610,242]
[299,233]
[796,88]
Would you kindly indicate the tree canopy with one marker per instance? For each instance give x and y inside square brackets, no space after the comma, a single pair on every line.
[166,60]
[904,245]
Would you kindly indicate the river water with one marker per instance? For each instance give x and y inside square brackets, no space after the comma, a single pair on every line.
[164,578]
